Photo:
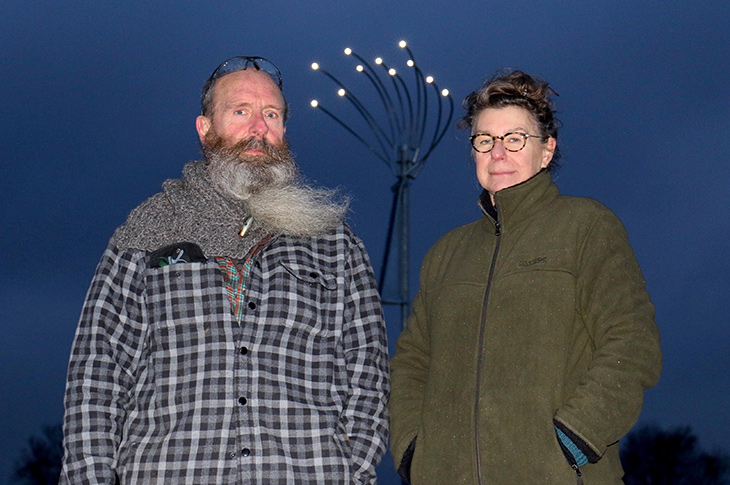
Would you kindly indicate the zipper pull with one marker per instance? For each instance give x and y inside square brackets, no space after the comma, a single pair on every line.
[497,228]
[578,474]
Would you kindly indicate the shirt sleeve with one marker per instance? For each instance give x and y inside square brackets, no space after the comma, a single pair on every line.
[410,367]
[365,416]
[100,374]
[619,317]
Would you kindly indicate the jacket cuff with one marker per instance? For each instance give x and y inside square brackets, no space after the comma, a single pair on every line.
[404,469]
[582,446]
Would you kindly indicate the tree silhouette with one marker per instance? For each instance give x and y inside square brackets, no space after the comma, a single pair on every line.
[40,463]
[654,456]
[649,455]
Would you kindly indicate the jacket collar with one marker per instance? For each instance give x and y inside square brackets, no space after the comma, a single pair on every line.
[519,202]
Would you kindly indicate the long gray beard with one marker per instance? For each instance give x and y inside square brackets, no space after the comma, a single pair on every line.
[271,185]
[298,209]
[240,175]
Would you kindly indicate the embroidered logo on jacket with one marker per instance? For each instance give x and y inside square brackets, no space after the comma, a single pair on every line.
[540,260]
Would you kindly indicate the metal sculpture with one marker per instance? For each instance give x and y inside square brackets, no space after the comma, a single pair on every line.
[402,138]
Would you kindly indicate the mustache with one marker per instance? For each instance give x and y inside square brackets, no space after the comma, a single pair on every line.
[255,144]
[215,146]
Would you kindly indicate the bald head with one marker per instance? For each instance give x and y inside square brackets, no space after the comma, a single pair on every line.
[207,98]
[246,104]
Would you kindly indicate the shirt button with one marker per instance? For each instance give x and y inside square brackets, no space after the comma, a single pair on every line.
[242,400]
[252,305]
[232,454]
[245,452]
[244,351]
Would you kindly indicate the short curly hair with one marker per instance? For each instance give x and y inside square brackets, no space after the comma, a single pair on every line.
[515,88]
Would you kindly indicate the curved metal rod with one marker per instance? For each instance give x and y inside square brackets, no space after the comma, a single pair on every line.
[369,119]
[411,121]
[410,53]
[420,91]
[387,104]
[446,124]
[353,133]
[438,136]
[383,89]
[422,104]
[402,121]
[353,99]
[389,235]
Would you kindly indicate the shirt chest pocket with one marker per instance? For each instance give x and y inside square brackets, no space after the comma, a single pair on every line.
[302,296]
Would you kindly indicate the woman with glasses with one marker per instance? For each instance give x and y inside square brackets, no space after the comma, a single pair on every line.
[532,337]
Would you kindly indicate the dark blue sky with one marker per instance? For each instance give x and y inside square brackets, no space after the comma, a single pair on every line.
[99,101]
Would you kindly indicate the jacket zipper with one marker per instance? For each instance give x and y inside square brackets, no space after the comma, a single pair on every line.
[482,330]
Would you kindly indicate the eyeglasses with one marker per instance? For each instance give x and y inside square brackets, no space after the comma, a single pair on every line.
[513,142]
[241,63]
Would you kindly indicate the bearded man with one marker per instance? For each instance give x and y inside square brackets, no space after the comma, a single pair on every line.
[232,332]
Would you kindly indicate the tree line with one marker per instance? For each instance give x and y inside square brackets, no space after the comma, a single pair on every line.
[649,455]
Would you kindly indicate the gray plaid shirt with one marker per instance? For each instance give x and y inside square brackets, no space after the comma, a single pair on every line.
[164,386]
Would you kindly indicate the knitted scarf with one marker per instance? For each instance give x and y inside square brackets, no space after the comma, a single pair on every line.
[192,210]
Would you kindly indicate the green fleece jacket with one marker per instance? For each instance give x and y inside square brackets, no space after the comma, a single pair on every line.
[537,319]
